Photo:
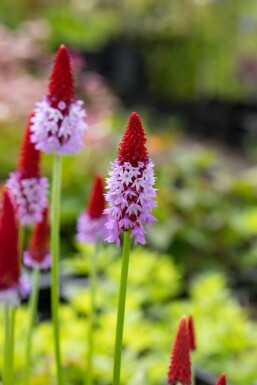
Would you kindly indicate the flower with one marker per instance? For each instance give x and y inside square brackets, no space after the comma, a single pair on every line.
[180,366]
[191,333]
[58,124]
[222,380]
[38,256]
[130,186]
[11,283]
[91,223]
[27,187]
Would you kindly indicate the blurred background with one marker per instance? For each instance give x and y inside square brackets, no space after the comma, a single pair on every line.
[189,68]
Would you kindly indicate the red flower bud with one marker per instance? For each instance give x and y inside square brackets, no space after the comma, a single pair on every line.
[96,204]
[61,85]
[180,366]
[9,255]
[29,161]
[132,147]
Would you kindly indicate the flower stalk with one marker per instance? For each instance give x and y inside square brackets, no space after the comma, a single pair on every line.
[54,246]
[92,316]
[33,303]
[121,308]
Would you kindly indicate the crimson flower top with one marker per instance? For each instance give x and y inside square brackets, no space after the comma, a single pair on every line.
[39,242]
[180,366]
[61,84]
[58,125]
[27,187]
[29,161]
[9,255]
[91,223]
[191,333]
[222,380]
[130,186]
[132,147]
[96,204]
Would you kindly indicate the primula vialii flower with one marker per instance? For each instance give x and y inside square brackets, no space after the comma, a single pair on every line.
[38,256]
[11,283]
[91,223]
[27,187]
[58,125]
[222,380]
[191,333]
[180,366]
[130,186]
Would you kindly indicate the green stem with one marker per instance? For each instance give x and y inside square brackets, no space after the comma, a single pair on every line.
[33,302]
[6,345]
[11,343]
[93,285]
[121,308]
[55,235]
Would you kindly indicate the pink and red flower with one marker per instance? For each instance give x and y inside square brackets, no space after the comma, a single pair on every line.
[130,186]
[58,124]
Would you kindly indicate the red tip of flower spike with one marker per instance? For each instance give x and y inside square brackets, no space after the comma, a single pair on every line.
[222,380]
[96,204]
[61,85]
[132,147]
[180,366]
[39,242]
[9,256]
[191,333]
[29,162]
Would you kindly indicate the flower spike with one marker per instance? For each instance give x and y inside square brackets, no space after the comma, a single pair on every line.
[61,84]
[91,223]
[191,333]
[38,256]
[11,284]
[27,187]
[58,125]
[222,380]
[130,186]
[180,366]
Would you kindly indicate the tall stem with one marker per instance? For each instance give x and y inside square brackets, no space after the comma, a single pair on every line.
[92,314]
[31,321]
[11,342]
[55,235]
[121,308]
[9,345]
[6,345]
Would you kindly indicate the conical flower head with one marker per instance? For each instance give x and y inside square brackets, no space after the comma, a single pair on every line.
[61,84]
[130,186]
[91,223]
[132,147]
[58,125]
[27,187]
[180,366]
[96,204]
[191,333]
[30,157]
[9,256]
[222,380]
[38,253]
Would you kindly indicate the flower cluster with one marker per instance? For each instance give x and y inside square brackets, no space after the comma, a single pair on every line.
[91,223]
[27,187]
[38,256]
[58,124]
[130,186]
[11,283]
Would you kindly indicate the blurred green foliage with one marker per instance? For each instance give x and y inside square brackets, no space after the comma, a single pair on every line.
[190,48]
[152,315]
